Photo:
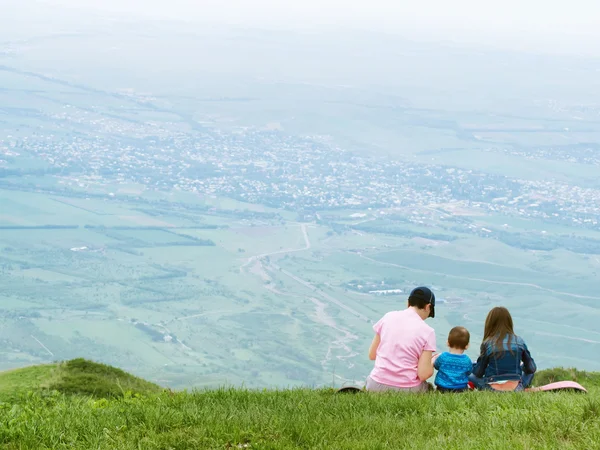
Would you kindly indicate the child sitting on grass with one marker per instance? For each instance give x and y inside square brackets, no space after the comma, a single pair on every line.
[504,358]
[454,367]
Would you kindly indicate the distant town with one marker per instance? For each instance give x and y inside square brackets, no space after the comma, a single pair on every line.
[304,174]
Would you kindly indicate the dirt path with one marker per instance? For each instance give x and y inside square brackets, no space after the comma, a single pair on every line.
[562,336]
[562,325]
[307,246]
[202,315]
[321,316]
[322,294]
[42,345]
[341,342]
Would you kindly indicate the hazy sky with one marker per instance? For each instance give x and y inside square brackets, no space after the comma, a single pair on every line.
[546,23]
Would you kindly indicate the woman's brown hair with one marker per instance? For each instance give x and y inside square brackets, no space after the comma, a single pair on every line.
[498,325]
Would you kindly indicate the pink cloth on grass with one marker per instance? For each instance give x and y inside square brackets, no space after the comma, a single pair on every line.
[404,337]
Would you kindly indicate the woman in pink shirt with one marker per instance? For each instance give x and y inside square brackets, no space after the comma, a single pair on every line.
[403,346]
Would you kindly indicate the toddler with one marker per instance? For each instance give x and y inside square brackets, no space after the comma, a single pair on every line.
[453,366]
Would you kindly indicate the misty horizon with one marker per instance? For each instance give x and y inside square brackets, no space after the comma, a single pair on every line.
[536,26]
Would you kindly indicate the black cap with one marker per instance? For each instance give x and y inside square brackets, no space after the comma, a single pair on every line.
[423,296]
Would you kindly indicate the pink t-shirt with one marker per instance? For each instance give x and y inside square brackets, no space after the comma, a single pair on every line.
[404,337]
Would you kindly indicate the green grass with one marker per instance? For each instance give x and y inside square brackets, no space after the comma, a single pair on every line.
[75,377]
[302,418]
[16,382]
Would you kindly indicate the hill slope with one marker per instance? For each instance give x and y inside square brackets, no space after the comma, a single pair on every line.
[72,377]
[237,418]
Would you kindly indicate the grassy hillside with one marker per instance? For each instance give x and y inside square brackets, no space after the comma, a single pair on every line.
[288,419]
[77,376]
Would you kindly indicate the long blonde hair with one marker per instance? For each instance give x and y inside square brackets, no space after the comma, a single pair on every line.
[498,325]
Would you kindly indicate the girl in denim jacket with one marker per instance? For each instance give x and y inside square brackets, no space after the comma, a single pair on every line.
[504,362]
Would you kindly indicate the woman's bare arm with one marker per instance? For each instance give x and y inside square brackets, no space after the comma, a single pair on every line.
[425,366]
[373,348]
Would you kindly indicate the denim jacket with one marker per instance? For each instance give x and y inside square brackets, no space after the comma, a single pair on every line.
[496,365]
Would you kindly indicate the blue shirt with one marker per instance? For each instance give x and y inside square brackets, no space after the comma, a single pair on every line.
[453,370]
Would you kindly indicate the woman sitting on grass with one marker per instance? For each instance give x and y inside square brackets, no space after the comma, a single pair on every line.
[403,346]
[504,362]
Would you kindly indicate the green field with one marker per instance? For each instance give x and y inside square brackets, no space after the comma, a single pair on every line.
[162,292]
[81,291]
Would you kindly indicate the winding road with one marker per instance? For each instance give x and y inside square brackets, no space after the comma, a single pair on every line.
[307,246]
[281,252]
[346,337]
